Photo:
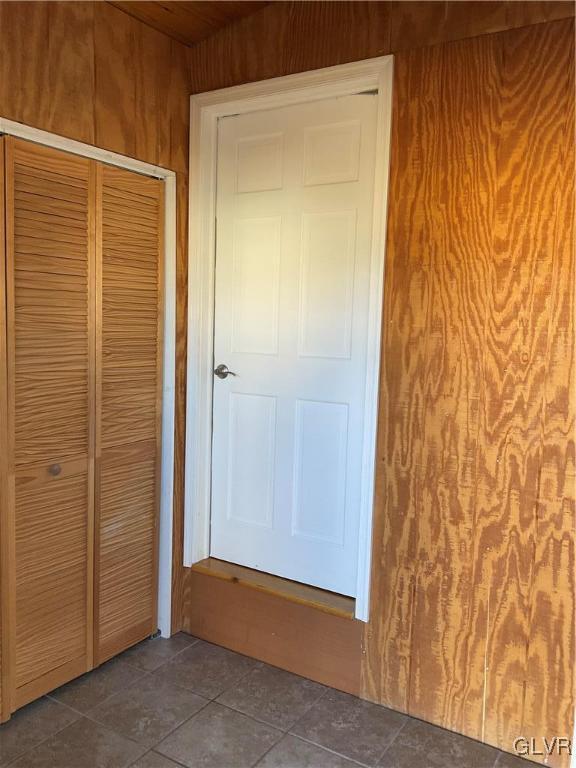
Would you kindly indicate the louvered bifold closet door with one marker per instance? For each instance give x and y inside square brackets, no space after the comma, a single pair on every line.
[50,264]
[130,214]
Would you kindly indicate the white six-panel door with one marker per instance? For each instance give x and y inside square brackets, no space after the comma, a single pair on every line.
[294,226]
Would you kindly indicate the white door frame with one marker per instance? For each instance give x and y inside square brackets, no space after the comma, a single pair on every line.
[54,141]
[205,111]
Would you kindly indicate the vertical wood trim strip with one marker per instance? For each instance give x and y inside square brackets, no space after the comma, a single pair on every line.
[8,530]
[4,493]
[97,223]
[159,393]
[92,394]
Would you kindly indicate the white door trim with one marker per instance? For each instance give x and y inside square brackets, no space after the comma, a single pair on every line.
[54,141]
[205,110]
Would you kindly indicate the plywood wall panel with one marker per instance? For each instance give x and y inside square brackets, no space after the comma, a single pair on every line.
[287,37]
[70,70]
[115,96]
[551,640]
[367,25]
[420,23]
[152,137]
[24,91]
[533,96]
[446,674]
[399,450]
[97,75]
[480,196]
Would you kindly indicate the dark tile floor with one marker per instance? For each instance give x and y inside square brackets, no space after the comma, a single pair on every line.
[184,702]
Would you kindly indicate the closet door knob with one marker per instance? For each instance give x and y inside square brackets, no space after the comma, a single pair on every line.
[54,469]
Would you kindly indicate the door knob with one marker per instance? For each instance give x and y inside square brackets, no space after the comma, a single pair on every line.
[222,371]
[54,469]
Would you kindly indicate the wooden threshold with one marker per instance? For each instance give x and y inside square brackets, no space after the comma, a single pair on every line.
[303,594]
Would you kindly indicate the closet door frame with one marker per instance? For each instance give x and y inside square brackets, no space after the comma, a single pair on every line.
[166,460]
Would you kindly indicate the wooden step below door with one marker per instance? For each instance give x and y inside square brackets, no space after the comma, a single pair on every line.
[48,525]
[130,246]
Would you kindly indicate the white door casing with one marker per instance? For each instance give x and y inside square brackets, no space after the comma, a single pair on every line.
[206,110]
[294,229]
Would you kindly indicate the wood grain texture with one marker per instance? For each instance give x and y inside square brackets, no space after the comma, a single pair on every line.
[417,24]
[188,22]
[70,70]
[294,591]
[5,495]
[310,35]
[475,559]
[131,240]
[535,103]
[296,637]
[97,75]
[49,259]
[115,81]
[550,640]
[445,672]
[51,578]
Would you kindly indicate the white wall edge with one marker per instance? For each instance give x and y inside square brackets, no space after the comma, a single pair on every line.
[205,110]
[21,131]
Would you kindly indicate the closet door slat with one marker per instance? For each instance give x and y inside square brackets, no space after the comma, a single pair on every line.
[130,215]
[50,263]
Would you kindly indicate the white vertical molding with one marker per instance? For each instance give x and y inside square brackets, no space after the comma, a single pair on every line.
[375,312]
[168,395]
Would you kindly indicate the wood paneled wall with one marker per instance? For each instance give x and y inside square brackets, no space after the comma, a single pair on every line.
[473,601]
[473,581]
[92,73]
[472,616]
[288,37]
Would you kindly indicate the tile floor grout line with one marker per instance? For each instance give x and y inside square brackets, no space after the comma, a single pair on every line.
[171,731]
[282,732]
[259,761]
[250,717]
[407,719]
[318,700]
[332,751]
[202,695]
[55,733]
[167,661]
[230,709]
[85,714]
[144,674]
[140,743]
[176,762]
[266,722]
